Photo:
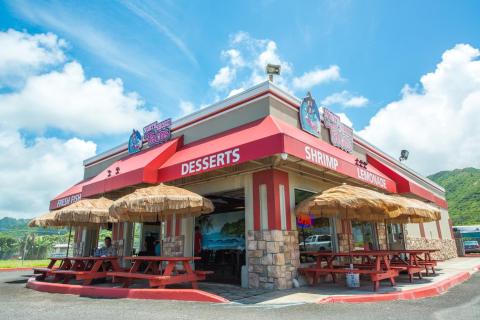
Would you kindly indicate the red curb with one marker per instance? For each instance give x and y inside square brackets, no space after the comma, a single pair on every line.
[413,294]
[102,292]
[14,269]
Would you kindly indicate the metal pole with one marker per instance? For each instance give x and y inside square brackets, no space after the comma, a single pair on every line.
[69,235]
[24,247]
[386,234]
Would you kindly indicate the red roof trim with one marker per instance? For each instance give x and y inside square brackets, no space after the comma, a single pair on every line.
[260,139]
[135,169]
[404,185]
[69,196]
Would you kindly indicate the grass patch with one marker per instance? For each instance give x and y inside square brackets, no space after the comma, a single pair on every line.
[26,263]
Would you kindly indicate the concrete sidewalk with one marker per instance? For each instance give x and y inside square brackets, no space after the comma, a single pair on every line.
[448,274]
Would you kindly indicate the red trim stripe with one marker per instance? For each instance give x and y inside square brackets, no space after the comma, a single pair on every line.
[422,229]
[439,229]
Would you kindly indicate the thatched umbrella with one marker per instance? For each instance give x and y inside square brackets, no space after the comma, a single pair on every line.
[155,203]
[86,212]
[362,204]
[415,211]
[350,202]
[44,221]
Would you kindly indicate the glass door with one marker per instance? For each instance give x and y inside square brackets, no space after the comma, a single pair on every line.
[364,236]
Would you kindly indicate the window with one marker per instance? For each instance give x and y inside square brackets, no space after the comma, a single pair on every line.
[317,233]
[364,236]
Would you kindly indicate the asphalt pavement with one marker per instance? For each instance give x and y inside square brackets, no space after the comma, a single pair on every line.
[17,302]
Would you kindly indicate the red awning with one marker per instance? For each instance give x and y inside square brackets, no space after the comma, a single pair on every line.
[405,185]
[69,196]
[134,169]
[261,139]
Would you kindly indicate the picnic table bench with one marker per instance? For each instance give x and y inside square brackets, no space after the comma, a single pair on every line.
[80,268]
[157,276]
[380,268]
[43,272]
[415,258]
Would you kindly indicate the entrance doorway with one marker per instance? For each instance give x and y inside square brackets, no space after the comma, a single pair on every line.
[395,236]
[222,235]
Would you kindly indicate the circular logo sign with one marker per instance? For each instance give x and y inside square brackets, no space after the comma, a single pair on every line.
[309,116]
[135,142]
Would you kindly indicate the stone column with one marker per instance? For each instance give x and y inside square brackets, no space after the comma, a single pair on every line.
[273,258]
[272,247]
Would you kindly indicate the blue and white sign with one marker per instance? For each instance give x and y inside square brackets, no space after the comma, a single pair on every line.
[135,142]
[310,116]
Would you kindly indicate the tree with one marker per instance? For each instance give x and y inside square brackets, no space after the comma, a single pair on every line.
[8,247]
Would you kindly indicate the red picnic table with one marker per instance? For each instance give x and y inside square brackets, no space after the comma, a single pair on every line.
[157,275]
[379,269]
[82,268]
[417,257]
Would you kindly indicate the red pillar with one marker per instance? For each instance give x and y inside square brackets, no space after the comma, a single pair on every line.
[178,225]
[277,203]
[422,229]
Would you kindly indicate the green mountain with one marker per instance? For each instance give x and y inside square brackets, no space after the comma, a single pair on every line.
[8,223]
[463,194]
[17,228]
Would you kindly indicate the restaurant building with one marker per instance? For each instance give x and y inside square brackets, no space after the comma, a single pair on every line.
[256,155]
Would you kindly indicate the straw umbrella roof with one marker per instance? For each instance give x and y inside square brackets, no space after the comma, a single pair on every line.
[366,205]
[86,212]
[416,211]
[44,220]
[152,204]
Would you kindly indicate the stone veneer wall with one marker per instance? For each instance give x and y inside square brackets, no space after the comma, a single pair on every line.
[273,258]
[448,248]
[343,242]
[173,246]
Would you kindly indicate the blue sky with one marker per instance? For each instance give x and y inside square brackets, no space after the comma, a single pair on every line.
[379,45]
[361,58]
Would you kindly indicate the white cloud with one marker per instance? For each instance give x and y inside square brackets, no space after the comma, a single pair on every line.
[234,56]
[245,62]
[223,78]
[186,107]
[315,77]
[68,101]
[23,54]
[345,119]
[439,123]
[345,99]
[32,175]
[34,168]
[235,91]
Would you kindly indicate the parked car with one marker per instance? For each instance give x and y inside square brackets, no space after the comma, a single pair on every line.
[317,242]
[471,246]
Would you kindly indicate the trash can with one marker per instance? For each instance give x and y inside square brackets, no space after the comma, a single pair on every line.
[353,280]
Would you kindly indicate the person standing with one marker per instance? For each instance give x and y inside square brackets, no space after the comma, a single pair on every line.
[197,245]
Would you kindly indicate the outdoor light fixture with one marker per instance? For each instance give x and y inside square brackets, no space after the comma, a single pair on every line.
[284,156]
[272,69]
[403,155]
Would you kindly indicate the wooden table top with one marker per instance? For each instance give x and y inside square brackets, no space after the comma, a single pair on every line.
[161,258]
[87,258]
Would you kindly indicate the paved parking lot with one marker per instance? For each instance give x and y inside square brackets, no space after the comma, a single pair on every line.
[17,302]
